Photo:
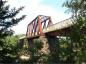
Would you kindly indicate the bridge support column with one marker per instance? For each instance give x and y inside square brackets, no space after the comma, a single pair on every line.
[31,43]
[45,48]
[53,43]
[51,47]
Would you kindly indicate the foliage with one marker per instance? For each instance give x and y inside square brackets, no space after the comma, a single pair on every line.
[76,42]
[38,44]
[9,49]
[7,42]
[36,56]
[64,50]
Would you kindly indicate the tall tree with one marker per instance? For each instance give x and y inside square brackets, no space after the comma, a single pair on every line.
[7,20]
[78,33]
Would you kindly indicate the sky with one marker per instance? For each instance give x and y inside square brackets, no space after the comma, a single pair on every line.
[34,8]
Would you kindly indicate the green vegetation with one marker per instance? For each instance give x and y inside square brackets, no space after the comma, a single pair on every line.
[70,49]
[7,42]
[75,44]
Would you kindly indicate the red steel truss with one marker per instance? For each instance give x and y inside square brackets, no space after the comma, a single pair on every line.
[35,27]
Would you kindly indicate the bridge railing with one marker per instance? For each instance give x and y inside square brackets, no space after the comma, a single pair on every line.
[36,27]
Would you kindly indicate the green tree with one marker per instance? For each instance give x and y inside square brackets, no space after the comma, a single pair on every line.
[7,20]
[77,38]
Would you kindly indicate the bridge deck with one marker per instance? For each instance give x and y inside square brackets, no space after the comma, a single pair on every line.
[59,26]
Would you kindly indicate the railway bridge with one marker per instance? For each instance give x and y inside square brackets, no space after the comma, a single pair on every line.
[43,25]
[43,28]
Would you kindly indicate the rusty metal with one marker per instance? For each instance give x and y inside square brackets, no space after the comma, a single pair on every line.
[36,26]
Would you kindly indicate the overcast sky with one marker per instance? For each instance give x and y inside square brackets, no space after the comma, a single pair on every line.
[33,8]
